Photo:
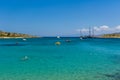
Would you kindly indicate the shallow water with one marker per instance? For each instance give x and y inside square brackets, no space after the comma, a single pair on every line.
[87,59]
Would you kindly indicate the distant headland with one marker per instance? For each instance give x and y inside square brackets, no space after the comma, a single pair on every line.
[112,35]
[4,34]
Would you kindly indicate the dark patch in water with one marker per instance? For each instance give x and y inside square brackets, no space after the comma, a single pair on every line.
[114,76]
[115,59]
[58,57]
[12,45]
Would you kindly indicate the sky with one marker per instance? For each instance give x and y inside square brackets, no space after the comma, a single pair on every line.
[59,17]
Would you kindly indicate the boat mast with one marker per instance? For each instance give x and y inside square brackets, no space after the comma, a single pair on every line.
[80,33]
[89,31]
[93,32]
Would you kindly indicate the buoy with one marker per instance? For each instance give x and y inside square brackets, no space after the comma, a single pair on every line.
[57,43]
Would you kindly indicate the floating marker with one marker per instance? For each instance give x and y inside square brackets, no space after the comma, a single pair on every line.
[57,43]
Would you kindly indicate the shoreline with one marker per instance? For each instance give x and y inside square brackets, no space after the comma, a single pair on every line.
[16,37]
[41,37]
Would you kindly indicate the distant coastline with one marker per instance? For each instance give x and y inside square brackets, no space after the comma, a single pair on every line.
[16,37]
[112,35]
[7,35]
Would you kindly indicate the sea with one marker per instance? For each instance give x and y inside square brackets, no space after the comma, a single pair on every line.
[72,59]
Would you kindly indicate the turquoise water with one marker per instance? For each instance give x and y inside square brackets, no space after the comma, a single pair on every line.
[87,59]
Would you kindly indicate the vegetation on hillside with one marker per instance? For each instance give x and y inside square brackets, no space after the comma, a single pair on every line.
[11,34]
[113,35]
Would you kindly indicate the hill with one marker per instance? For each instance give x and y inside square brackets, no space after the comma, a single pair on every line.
[14,35]
[112,35]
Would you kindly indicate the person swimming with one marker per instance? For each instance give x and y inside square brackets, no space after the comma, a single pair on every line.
[25,58]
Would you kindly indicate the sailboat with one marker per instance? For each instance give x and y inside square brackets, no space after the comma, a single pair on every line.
[81,37]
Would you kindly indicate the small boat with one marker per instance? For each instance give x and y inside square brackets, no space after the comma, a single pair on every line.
[24,39]
[67,40]
[58,37]
[81,38]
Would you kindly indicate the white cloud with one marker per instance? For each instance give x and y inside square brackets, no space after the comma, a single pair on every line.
[96,28]
[117,28]
[104,27]
[101,28]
